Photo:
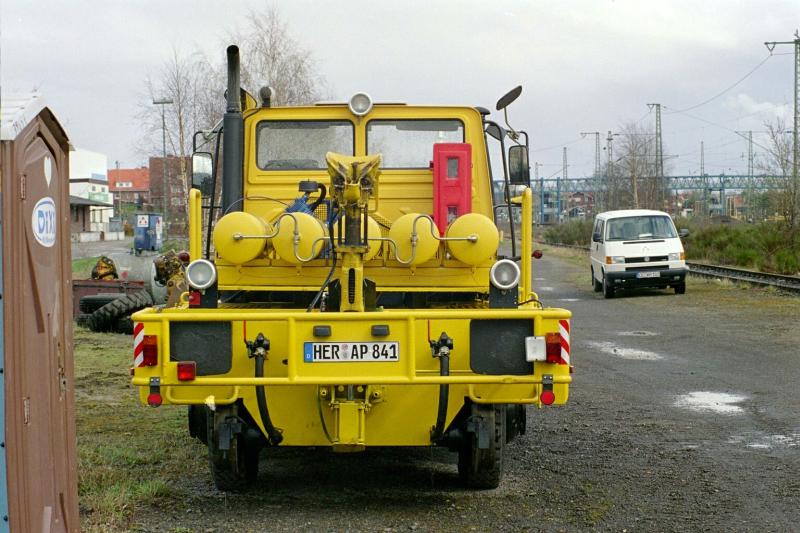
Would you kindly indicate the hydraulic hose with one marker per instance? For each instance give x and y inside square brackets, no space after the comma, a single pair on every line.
[444,396]
[274,437]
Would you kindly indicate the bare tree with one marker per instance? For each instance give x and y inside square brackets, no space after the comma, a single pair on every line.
[635,181]
[196,85]
[778,162]
[272,56]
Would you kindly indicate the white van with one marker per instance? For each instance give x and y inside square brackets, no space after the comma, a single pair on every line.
[637,248]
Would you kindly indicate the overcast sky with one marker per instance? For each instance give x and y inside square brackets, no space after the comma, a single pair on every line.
[583,65]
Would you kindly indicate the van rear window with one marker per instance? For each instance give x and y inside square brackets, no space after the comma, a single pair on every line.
[640,228]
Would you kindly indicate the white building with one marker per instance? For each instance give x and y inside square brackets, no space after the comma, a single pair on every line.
[88,179]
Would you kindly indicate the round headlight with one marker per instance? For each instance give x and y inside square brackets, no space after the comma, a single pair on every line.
[360,104]
[504,274]
[201,274]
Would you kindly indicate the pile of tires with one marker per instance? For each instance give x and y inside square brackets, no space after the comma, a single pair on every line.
[111,312]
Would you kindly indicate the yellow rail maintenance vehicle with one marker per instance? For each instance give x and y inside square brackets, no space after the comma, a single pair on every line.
[351,291]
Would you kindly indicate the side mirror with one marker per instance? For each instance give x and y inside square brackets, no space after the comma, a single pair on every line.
[518,167]
[495,131]
[509,97]
[202,165]
[596,236]
[683,233]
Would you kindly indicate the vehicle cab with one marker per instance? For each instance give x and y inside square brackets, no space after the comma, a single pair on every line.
[637,248]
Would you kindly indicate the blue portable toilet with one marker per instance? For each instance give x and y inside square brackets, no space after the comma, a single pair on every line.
[148,233]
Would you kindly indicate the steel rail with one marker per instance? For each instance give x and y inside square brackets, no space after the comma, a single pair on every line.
[704,270]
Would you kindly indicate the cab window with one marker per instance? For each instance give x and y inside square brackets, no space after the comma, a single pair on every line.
[409,143]
[301,144]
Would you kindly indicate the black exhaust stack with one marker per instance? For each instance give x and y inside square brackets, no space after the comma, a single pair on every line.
[233,147]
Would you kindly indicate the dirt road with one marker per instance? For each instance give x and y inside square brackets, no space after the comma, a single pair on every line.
[683,417]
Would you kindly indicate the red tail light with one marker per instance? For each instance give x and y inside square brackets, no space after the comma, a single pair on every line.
[149,350]
[547,397]
[154,399]
[187,370]
[552,342]
[556,349]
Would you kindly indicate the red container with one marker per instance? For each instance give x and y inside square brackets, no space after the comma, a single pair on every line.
[452,182]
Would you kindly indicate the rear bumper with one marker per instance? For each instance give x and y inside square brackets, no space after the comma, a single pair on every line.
[288,331]
[632,279]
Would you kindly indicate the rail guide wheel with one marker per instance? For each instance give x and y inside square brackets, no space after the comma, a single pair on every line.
[480,457]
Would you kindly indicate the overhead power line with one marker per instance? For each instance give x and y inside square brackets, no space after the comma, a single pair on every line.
[740,80]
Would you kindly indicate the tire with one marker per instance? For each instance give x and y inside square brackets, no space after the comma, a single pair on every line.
[483,468]
[84,320]
[608,289]
[598,286]
[680,288]
[92,302]
[105,318]
[124,325]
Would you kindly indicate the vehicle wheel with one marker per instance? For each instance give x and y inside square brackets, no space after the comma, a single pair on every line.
[598,286]
[680,288]
[106,317]
[483,468]
[93,302]
[608,289]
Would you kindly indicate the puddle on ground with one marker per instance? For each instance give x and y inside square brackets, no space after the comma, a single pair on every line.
[637,333]
[763,441]
[623,352]
[711,402]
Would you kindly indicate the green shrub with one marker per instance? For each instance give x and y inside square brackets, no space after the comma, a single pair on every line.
[574,232]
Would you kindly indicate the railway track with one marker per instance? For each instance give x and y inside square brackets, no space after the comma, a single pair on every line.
[781,282]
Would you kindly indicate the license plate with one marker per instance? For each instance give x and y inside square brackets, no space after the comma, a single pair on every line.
[648,274]
[351,352]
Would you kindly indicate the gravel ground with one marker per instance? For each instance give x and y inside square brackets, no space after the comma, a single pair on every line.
[682,417]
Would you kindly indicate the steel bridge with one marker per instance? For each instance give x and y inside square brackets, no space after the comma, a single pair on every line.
[675,183]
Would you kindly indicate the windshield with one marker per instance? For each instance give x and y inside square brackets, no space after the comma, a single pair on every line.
[640,228]
[409,143]
[301,144]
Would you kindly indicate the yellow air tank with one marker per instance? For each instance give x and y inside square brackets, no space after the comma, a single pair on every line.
[427,244]
[473,252]
[310,232]
[229,233]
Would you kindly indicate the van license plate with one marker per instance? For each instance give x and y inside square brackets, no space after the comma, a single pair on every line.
[351,352]
[648,274]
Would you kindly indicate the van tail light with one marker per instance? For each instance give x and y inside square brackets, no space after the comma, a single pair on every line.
[187,370]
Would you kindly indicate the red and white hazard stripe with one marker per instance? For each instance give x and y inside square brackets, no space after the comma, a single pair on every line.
[138,344]
[563,329]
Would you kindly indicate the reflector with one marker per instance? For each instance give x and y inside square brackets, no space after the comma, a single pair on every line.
[154,399]
[187,370]
[547,397]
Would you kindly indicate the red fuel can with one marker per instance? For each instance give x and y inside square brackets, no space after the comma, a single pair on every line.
[452,182]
